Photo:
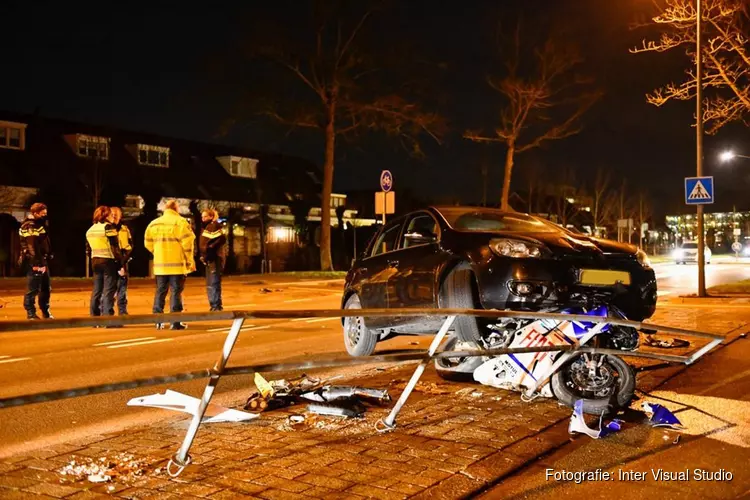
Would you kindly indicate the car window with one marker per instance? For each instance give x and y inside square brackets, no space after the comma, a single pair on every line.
[420,225]
[387,240]
[690,245]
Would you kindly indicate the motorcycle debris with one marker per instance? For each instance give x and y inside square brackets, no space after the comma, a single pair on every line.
[296,419]
[661,416]
[346,408]
[334,393]
[665,344]
[578,425]
[266,389]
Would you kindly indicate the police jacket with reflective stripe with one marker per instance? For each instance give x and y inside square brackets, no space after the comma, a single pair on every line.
[172,242]
[124,241]
[35,243]
[211,241]
[102,242]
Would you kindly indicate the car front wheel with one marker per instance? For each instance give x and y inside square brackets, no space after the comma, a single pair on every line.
[458,293]
[358,339]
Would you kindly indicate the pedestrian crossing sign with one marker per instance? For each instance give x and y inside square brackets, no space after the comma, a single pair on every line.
[699,190]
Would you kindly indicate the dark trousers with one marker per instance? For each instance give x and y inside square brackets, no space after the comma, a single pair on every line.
[105,286]
[175,283]
[37,284]
[122,294]
[213,285]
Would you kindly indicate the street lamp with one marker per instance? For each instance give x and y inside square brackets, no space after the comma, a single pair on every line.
[731,155]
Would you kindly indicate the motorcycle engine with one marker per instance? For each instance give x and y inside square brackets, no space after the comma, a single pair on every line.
[501,334]
[622,338]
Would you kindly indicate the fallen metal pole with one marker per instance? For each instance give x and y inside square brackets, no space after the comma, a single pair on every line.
[182,458]
[390,420]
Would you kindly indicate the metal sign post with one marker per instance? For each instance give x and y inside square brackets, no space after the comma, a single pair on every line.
[385,199]
[700,191]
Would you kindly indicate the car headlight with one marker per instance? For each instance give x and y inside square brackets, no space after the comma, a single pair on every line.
[515,248]
[643,259]
[677,254]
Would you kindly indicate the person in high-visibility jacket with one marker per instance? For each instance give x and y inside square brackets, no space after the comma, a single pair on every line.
[106,262]
[212,242]
[125,242]
[172,242]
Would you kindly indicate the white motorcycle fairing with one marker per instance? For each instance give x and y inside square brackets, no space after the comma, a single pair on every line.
[519,372]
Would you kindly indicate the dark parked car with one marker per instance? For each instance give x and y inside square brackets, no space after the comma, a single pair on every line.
[469,257]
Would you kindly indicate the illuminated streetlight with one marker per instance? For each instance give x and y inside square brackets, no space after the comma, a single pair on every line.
[730,155]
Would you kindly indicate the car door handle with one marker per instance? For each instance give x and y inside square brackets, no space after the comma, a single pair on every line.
[393,263]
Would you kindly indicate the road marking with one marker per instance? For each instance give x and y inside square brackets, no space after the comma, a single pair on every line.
[259,327]
[662,292]
[299,300]
[3,357]
[222,329]
[12,360]
[318,320]
[299,319]
[138,343]
[126,341]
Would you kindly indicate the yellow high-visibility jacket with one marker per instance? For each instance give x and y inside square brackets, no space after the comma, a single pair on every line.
[172,242]
[102,241]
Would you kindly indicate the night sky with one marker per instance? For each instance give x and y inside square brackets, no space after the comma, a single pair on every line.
[180,70]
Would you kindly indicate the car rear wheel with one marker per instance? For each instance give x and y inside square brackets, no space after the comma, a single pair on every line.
[358,339]
[458,293]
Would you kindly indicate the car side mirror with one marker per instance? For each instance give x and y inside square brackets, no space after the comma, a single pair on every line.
[417,238]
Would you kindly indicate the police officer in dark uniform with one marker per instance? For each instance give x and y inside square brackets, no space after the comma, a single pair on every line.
[36,252]
[212,241]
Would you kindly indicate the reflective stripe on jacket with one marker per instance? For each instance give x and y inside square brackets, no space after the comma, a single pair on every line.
[211,241]
[98,237]
[172,242]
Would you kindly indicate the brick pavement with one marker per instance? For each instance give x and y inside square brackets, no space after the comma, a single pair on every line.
[448,444]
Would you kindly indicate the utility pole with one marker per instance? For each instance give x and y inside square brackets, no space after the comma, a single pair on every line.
[622,211]
[699,145]
[640,220]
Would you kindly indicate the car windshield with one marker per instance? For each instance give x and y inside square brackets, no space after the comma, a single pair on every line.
[690,245]
[494,221]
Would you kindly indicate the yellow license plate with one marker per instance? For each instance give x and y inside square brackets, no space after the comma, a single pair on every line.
[604,277]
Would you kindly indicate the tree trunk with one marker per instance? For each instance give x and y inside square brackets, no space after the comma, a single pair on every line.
[326,263]
[508,172]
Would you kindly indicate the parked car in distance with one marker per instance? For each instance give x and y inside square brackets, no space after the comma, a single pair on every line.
[688,252]
[471,257]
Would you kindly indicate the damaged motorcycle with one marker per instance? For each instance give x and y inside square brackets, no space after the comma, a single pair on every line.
[605,383]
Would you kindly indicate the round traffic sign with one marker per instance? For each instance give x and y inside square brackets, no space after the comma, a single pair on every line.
[386,180]
[736,246]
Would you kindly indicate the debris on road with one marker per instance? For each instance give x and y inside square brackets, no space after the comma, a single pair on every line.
[121,466]
[172,400]
[350,408]
[335,393]
[423,387]
[661,416]
[265,290]
[578,425]
[665,344]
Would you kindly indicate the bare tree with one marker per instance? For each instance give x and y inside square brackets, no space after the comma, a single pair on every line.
[604,198]
[542,98]
[726,57]
[344,97]
[533,176]
[565,192]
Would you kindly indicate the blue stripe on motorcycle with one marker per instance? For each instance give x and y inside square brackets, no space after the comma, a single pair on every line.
[514,358]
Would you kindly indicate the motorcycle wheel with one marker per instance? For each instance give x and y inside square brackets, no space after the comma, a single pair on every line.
[609,387]
[457,369]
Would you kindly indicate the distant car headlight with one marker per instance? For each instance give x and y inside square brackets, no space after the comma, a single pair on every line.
[515,248]
[678,253]
[643,259]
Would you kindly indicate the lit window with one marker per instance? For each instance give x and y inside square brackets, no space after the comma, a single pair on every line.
[12,135]
[238,166]
[281,235]
[91,146]
[155,156]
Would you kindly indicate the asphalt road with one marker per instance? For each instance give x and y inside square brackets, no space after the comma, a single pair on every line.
[675,280]
[49,360]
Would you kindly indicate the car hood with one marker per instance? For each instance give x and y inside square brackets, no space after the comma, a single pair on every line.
[564,244]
